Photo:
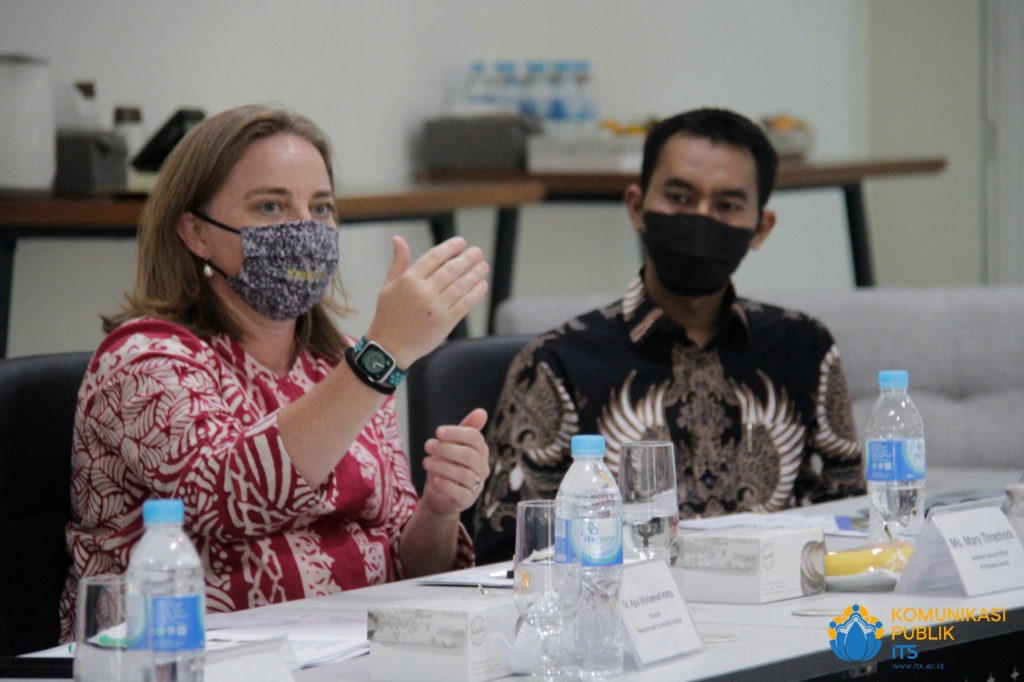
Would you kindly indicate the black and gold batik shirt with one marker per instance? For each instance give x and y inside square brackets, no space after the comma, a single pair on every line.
[760,417]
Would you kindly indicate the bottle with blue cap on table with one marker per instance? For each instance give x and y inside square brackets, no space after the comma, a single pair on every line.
[592,644]
[894,455]
[165,595]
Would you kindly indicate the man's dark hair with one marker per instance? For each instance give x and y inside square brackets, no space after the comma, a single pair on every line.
[717,125]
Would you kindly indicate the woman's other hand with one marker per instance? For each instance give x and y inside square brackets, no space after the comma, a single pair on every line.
[420,304]
[456,465]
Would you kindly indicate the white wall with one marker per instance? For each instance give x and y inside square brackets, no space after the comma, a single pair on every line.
[926,80]
[369,71]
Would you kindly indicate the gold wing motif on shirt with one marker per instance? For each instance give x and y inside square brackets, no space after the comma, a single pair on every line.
[832,410]
[543,424]
[622,421]
[776,417]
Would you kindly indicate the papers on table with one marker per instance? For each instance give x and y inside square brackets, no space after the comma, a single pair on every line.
[315,638]
[855,526]
[488,576]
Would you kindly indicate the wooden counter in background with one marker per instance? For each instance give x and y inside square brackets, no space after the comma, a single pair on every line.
[442,194]
[118,216]
[847,176]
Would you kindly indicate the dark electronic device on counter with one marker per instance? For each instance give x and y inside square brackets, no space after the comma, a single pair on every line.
[493,142]
[152,155]
[89,162]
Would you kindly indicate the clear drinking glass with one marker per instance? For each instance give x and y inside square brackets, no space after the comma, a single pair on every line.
[650,504]
[100,629]
[547,592]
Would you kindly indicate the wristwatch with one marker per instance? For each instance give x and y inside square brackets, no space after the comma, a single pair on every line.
[374,366]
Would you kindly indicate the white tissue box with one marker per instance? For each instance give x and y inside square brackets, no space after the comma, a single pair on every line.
[462,638]
[752,564]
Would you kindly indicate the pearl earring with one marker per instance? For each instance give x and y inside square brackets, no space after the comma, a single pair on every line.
[207,270]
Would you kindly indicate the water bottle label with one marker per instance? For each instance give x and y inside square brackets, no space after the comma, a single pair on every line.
[895,460]
[176,623]
[600,541]
[558,110]
[565,548]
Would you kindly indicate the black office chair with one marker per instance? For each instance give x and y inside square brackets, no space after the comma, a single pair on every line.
[449,382]
[37,411]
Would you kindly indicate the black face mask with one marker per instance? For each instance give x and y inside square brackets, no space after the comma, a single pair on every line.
[693,255]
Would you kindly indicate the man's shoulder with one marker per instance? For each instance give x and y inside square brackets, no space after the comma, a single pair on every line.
[786,329]
[590,329]
[581,339]
[763,314]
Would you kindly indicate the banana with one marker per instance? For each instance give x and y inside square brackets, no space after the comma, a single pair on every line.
[885,556]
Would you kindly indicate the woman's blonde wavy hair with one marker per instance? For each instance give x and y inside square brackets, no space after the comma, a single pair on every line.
[169,281]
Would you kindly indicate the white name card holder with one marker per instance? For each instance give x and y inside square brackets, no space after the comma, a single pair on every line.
[970,548]
[654,616]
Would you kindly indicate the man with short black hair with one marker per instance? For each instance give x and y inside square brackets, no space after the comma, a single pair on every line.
[753,396]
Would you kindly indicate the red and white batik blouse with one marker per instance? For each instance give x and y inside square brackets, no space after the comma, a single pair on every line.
[163,413]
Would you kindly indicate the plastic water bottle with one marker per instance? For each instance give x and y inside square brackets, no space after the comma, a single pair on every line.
[593,642]
[128,123]
[508,86]
[165,594]
[478,92]
[534,93]
[585,106]
[558,119]
[895,461]
[76,107]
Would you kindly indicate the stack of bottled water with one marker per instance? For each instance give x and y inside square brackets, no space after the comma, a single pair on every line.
[592,644]
[165,595]
[560,94]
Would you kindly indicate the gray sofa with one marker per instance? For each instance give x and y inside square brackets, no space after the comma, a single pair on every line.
[963,348]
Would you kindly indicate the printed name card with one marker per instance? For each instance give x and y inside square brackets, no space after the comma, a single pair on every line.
[974,547]
[654,615]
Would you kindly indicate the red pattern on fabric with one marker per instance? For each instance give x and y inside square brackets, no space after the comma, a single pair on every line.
[162,413]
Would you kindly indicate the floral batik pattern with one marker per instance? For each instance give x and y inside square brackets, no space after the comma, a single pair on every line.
[760,417]
[162,413]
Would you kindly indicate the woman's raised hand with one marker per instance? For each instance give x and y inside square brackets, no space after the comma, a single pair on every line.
[420,304]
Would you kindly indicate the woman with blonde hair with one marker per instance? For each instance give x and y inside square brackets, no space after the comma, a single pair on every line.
[224,382]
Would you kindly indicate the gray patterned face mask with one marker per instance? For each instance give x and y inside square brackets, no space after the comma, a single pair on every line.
[286,268]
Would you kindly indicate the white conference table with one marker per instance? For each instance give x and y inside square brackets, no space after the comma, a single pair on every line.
[766,642]
[761,642]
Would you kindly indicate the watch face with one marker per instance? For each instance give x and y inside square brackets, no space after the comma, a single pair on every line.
[375,361]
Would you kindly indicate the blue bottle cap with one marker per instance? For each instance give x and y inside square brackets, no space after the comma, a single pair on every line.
[588,446]
[163,511]
[893,379]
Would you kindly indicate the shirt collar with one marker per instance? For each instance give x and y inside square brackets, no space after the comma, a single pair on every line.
[644,319]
